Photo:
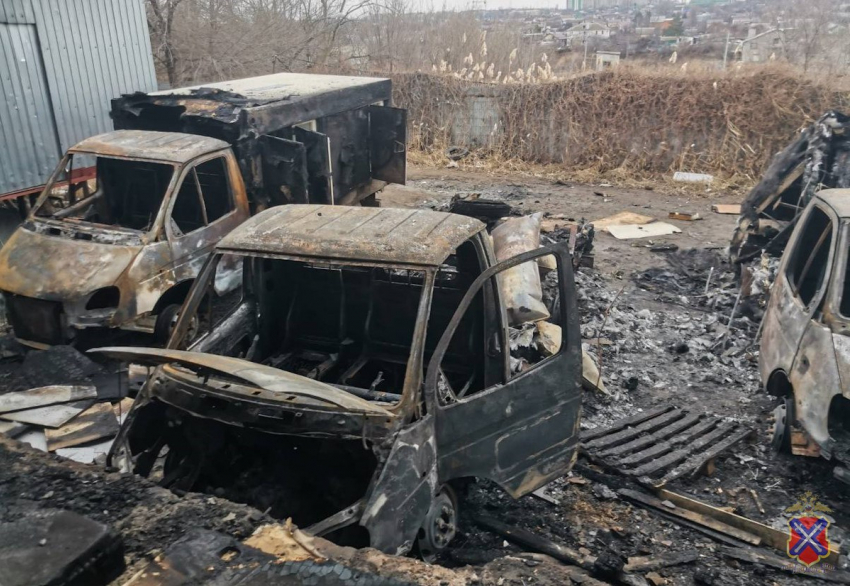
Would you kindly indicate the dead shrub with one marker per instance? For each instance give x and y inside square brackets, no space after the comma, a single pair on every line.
[628,120]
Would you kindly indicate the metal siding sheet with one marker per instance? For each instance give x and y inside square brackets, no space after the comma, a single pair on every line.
[28,140]
[16,12]
[90,52]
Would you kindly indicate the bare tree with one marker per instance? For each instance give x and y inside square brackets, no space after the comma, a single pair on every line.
[807,29]
[161,22]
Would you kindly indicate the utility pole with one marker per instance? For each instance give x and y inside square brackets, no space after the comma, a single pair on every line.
[584,63]
[726,51]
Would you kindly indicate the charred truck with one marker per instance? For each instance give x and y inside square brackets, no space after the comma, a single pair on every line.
[120,245]
[367,368]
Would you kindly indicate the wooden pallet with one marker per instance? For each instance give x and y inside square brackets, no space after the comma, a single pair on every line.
[661,445]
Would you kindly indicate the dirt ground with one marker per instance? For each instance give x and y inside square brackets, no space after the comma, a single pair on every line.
[663,333]
[648,326]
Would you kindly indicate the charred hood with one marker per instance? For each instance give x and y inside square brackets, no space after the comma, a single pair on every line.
[57,268]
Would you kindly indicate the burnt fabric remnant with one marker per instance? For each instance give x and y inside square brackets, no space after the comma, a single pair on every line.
[817,159]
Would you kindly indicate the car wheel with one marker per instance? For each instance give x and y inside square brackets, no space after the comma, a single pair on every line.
[783,419]
[440,525]
[167,319]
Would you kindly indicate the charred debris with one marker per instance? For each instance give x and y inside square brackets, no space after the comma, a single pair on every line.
[207,420]
[817,159]
[311,396]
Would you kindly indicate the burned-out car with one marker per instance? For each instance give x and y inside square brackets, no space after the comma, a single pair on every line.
[128,218]
[805,344]
[367,367]
[121,250]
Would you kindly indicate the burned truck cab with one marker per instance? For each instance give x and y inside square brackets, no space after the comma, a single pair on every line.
[363,370]
[120,232]
[805,346]
[118,250]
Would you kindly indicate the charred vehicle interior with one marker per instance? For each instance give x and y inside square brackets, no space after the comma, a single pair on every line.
[319,365]
[125,194]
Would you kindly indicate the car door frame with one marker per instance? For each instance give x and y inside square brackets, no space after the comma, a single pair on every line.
[189,250]
[513,433]
[786,318]
[814,372]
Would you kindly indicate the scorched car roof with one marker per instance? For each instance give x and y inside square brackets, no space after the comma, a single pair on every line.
[383,235]
[174,147]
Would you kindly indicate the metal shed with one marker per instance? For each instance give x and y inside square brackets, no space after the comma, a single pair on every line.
[61,62]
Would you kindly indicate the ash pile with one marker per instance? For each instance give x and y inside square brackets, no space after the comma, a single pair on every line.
[687,327]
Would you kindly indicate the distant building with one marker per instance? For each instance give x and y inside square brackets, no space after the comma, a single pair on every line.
[607,59]
[587,29]
[759,48]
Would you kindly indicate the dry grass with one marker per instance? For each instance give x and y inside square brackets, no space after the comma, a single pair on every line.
[627,125]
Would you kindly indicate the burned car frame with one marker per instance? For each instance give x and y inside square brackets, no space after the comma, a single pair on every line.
[120,253]
[805,344]
[363,372]
[183,168]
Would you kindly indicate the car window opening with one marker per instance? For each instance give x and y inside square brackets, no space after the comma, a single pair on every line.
[125,193]
[808,267]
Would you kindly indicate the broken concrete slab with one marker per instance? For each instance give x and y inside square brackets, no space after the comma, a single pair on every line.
[13,429]
[35,438]
[44,396]
[50,416]
[684,177]
[96,422]
[629,232]
[88,454]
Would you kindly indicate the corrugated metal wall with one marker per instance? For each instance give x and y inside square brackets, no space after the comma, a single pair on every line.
[61,62]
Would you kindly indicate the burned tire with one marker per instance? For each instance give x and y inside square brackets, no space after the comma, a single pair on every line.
[308,572]
[165,323]
[783,420]
[167,319]
[456,153]
[440,525]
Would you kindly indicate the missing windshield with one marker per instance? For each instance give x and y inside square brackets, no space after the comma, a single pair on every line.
[124,193]
[348,326]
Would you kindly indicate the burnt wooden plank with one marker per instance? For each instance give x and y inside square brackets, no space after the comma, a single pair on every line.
[591,434]
[633,432]
[653,438]
[677,456]
[688,515]
[694,463]
[664,447]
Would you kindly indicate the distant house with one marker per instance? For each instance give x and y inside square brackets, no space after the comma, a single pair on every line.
[759,48]
[587,29]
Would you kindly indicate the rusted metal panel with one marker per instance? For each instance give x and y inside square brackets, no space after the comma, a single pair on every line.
[173,147]
[285,169]
[237,109]
[319,165]
[400,236]
[277,383]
